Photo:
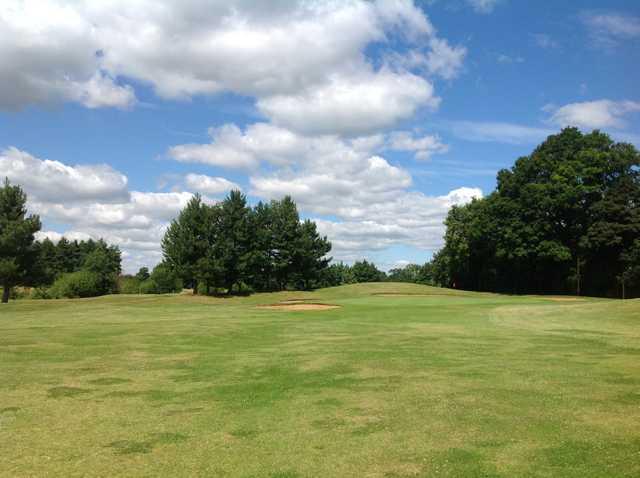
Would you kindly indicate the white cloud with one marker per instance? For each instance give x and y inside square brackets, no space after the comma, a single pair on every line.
[412,218]
[445,60]
[361,200]
[483,6]
[368,200]
[225,150]
[283,54]
[359,103]
[93,201]
[101,91]
[50,180]
[497,132]
[592,114]
[442,59]
[209,185]
[608,29]
[423,147]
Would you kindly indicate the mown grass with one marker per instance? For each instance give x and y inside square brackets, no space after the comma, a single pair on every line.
[401,381]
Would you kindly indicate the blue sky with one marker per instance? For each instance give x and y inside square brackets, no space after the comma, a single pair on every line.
[376,117]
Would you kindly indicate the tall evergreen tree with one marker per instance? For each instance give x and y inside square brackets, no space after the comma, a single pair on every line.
[286,227]
[234,240]
[17,251]
[185,241]
[310,256]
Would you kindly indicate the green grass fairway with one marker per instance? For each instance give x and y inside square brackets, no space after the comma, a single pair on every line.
[400,381]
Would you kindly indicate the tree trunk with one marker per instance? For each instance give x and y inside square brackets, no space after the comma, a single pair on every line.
[5,293]
[195,287]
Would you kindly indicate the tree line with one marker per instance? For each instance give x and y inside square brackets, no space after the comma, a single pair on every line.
[564,219]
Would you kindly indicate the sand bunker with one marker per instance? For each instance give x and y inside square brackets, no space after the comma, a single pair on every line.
[298,306]
[564,299]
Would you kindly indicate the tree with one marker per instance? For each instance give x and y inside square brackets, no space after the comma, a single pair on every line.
[560,220]
[163,280]
[185,242]
[364,271]
[261,260]
[234,240]
[142,274]
[285,228]
[336,274]
[105,262]
[418,274]
[17,251]
[630,274]
[310,256]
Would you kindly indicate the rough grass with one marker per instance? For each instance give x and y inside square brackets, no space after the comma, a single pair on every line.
[400,381]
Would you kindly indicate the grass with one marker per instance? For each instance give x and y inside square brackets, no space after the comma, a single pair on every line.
[400,381]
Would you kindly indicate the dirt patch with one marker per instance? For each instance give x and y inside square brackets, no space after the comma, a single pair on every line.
[565,299]
[400,294]
[298,306]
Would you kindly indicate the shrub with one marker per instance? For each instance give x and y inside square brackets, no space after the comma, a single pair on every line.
[40,293]
[130,285]
[105,264]
[148,287]
[165,280]
[76,284]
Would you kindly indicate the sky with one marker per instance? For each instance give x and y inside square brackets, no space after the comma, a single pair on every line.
[376,117]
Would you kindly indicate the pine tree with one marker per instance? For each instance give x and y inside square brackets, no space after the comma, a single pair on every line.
[185,242]
[17,251]
[234,240]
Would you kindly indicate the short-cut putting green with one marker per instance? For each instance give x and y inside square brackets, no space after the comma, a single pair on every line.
[400,380]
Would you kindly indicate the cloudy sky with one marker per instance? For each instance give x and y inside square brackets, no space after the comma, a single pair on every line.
[375,116]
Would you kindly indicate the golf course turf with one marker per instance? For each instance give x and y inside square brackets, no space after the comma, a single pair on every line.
[399,380]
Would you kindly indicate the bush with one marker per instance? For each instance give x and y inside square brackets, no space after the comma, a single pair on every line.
[77,284]
[165,280]
[148,287]
[129,285]
[40,293]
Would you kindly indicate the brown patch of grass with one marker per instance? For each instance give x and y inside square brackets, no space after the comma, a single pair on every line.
[565,299]
[298,306]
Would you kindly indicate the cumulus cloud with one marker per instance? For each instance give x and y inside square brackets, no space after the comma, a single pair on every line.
[592,114]
[412,218]
[360,198]
[49,53]
[298,58]
[352,104]
[50,180]
[209,185]
[101,91]
[93,201]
